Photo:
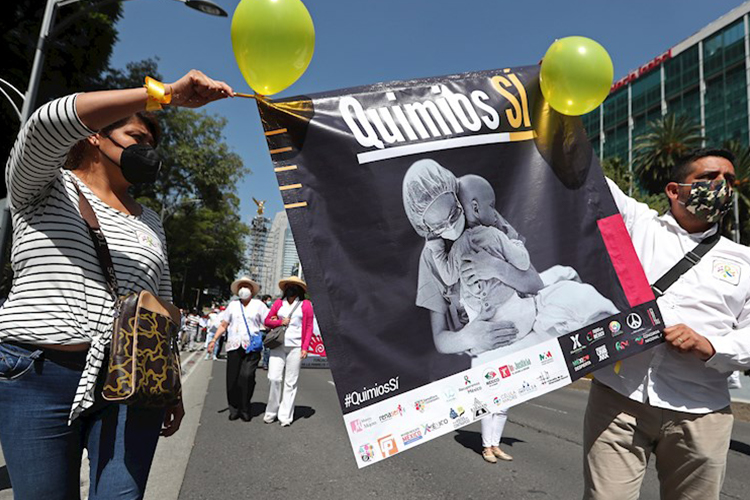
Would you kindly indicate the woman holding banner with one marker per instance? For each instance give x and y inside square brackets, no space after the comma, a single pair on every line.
[87,150]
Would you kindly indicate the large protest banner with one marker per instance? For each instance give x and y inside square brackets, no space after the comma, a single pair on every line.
[461,246]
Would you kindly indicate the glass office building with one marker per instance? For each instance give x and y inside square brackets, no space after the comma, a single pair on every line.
[704,77]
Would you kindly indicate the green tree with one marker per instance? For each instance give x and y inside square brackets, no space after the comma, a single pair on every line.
[75,59]
[617,170]
[667,139]
[195,194]
[742,190]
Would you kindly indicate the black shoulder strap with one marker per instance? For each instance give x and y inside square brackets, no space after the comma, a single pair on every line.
[688,261]
[100,243]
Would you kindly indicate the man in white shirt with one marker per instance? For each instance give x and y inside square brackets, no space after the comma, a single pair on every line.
[673,400]
[243,320]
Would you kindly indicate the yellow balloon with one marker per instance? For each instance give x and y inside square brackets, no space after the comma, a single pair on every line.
[273,42]
[576,75]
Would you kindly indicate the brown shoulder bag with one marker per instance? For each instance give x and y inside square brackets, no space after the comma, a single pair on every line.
[144,358]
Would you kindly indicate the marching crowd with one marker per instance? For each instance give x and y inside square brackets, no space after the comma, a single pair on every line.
[244,325]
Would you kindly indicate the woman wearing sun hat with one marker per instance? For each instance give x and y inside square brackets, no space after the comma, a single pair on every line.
[242,320]
[296,313]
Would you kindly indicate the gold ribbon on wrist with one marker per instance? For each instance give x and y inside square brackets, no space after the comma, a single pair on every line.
[157,94]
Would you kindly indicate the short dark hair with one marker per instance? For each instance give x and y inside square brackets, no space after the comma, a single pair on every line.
[684,165]
[75,155]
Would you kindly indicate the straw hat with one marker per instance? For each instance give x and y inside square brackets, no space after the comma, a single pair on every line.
[245,279]
[293,280]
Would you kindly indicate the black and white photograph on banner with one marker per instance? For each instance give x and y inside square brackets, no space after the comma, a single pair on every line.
[462,248]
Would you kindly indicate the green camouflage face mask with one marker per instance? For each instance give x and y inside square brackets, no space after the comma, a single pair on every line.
[709,200]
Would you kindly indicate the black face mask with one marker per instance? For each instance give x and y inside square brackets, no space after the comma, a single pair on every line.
[140,163]
[292,291]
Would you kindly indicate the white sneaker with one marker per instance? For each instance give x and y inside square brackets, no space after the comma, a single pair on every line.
[269,420]
[286,424]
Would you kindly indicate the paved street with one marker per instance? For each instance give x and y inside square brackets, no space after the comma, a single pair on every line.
[212,458]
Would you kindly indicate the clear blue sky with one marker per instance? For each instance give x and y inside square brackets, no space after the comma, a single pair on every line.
[368,41]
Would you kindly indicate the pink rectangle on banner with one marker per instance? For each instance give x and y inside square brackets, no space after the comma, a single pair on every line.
[625,260]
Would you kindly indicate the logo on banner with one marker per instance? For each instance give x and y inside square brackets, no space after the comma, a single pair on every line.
[427,428]
[726,271]
[399,411]
[491,378]
[514,368]
[634,321]
[366,452]
[509,396]
[546,358]
[480,409]
[651,336]
[615,327]
[449,393]
[458,417]
[412,436]
[387,446]
[622,345]
[595,335]
[358,425]
[421,404]
[639,340]
[577,346]
[582,362]
[546,379]
[526,388]
[602,352]
[652,316]
[469,386]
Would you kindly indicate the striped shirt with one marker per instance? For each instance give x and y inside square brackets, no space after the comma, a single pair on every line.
[59,294]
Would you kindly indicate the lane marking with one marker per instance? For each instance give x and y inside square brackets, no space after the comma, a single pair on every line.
[192,369]
[550,409]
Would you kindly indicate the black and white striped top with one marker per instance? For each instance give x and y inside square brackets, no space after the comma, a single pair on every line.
[59,295]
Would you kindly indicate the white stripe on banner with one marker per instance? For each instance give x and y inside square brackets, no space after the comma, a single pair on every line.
[456,142]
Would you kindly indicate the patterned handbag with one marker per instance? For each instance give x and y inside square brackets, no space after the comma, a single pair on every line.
[144,358]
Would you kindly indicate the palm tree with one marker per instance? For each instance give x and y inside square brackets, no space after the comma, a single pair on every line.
[668,138]
[742,184]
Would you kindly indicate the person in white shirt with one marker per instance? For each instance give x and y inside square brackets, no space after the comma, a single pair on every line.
[243,321]
[212,324]
[296,314]
[672,401]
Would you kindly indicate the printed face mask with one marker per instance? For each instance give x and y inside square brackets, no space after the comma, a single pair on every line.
[709,200]
[244,293]
[140,163]
[453,225]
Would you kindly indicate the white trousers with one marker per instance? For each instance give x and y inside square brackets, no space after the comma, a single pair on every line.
[283,369]
[492,428]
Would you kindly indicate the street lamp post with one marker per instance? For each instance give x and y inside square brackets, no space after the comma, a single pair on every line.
[45,34]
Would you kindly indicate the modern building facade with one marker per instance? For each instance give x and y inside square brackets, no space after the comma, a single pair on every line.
[281,259]
[705,77]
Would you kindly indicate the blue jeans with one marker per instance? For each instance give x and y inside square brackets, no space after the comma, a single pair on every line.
[43,453]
